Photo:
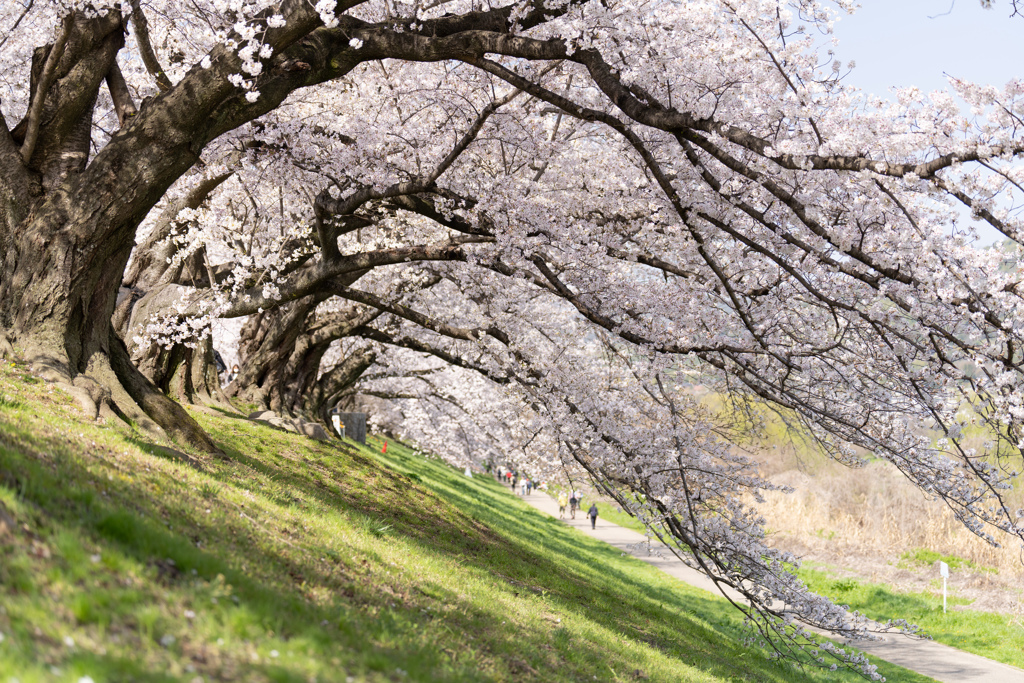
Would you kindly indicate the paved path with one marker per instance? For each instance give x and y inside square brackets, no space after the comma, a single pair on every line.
[941,662]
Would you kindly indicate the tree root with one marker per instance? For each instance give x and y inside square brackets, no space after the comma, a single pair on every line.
[90,394]
[112,387]
[171,416]
[6,345]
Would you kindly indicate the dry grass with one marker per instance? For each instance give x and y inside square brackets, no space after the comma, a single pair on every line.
[865,520]
[875,509]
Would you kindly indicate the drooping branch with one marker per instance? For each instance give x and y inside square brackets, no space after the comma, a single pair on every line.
[414,344]
[317,276]
[466,334]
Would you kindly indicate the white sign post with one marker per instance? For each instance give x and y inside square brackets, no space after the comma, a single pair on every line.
[944,572]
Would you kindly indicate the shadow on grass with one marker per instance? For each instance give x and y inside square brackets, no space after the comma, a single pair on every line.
[329,604]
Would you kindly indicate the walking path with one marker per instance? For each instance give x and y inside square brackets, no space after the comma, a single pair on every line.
[941,662]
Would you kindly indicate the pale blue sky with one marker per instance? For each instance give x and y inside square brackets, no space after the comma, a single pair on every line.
[919,42]
[895,43]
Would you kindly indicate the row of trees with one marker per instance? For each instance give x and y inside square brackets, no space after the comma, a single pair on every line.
[525,224]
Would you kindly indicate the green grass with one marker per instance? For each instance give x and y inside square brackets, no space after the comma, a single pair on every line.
[293,560]
[923,557]
[996,636]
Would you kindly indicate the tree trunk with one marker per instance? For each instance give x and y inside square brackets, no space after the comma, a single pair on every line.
[68,230]
[267,342]
[281,352]
[336,382]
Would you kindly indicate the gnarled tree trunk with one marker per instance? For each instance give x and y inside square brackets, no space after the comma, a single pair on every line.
[267,342]
[67,227]
[334,384]
[281,352]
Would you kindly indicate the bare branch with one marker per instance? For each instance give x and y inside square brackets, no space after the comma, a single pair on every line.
[119,94]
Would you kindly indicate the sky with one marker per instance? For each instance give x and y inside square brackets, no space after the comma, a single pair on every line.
[921,42]
[907,42]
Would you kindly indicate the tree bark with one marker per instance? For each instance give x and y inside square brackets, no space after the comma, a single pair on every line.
[336,382]
[267,342]
[281,352]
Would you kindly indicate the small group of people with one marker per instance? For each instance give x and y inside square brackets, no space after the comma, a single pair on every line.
[226,376]
[521,484]
[574,499]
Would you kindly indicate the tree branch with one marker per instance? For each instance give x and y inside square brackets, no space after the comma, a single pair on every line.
[326,208]
[35,112]
[414,344]
[119,94]
[465,333]
[149,57]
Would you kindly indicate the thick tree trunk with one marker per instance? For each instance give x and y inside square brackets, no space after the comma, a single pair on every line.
[281,354]
[336,382]
[186,373]
[67,234]
[195,379]
[267,342]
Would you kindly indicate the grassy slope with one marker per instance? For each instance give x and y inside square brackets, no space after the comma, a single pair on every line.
[294,560]
[996,636]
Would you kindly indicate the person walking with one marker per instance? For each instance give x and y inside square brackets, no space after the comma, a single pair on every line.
[563,500]
[592,513]
[572,505]
[529,486]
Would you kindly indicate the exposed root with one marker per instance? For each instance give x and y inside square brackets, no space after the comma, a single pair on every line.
[112,387]
[171,416]
[6,345]
[120,404]
[90,394]
[87,393]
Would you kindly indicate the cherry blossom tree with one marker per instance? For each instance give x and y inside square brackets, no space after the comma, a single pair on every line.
[575,202]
